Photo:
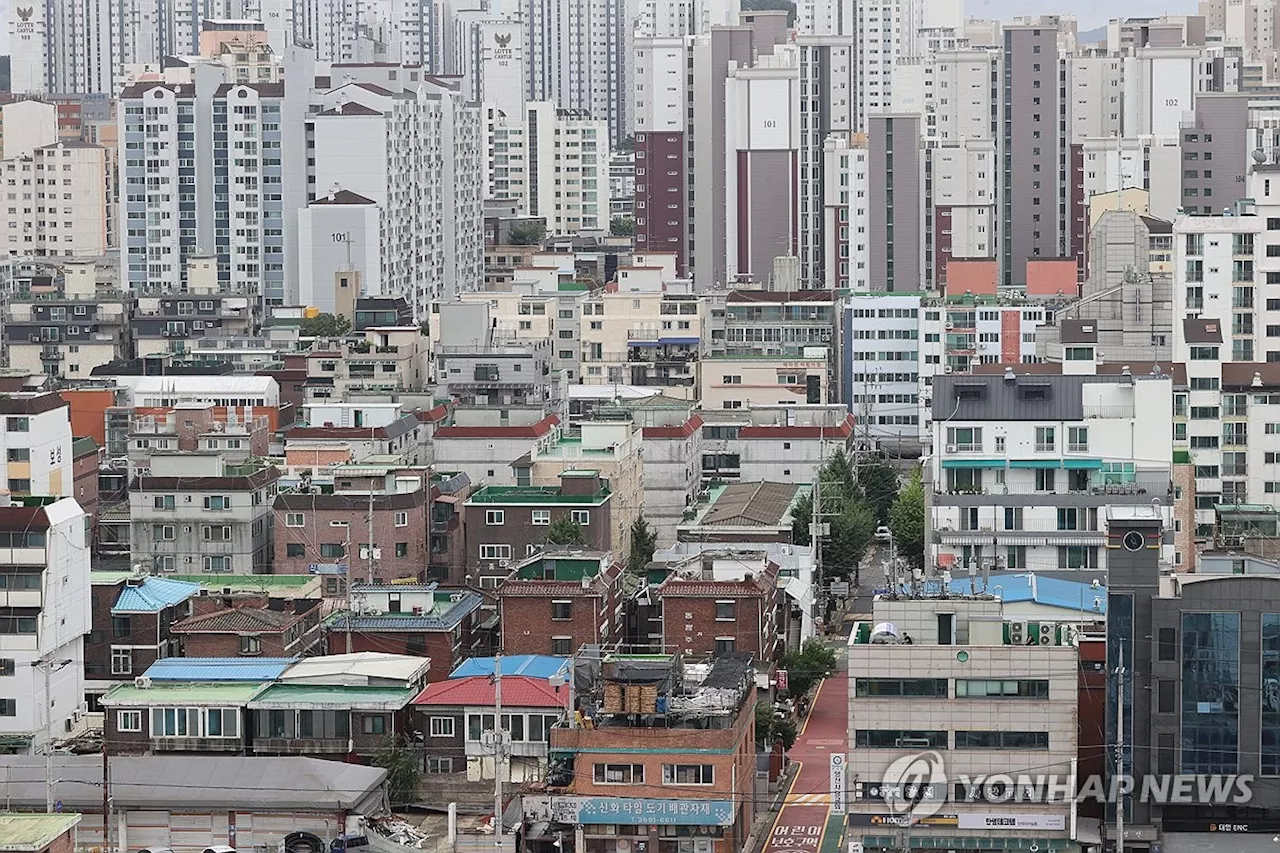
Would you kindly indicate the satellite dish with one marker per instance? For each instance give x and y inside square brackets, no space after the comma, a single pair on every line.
[1259,156]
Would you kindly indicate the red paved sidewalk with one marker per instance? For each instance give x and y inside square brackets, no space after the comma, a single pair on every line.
[800,825]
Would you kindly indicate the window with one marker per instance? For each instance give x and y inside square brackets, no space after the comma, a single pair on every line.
[402,519]
[541,517]
[581,517]
[725,645]
[217,502]
[899,739]
[294,519]
[437,766]
[217,564]
[333,550]
[495,517]
[913,687]
[441,726]
[965,439]
[495,552]
[165,502]
[478,724]
[17,424]
[561,611]
[562,645]
[1014,688]
[250,646]
[1044,479]
[1046,441]
[688,774]
[1211,692]
[295,549]
[1002,740]
[725,611]
[402,549]
[374,725]
[1077,439]
[619,774]
[19,454]
[163,532]
[122,661]
[129,721]
[8,668]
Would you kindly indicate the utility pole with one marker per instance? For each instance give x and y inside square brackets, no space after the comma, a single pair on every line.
[48,665]
[497,752]
[373,437]
[106,799]
[1120,753]
[346,582]
[815,531]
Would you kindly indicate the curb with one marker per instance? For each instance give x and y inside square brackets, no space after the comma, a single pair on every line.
[765,820]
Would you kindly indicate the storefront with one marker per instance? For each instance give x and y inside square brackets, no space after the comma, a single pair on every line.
[1185,836]
[962,833]
[629,825]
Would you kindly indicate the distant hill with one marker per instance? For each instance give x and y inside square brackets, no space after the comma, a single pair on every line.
[1094,36]
[765,5]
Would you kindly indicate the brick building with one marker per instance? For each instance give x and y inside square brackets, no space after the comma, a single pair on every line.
[38,833]
[253,626]
[411,619]
[85,458]
[701,615]
[699,748]
[312,528]
[132,617]
[557,601]
[447,548]
[508,523]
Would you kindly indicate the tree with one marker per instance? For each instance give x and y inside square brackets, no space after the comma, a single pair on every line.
[622,226]
[851,534]
[907,521]
[880,486]
[566,532]
[325,325]
[424,328]
[626,144]
[528,233]
[838,479]
[807,666]
[801,518]
[770,727]
[643,543]
[403,770]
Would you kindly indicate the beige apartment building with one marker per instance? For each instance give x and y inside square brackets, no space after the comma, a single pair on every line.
[743,381]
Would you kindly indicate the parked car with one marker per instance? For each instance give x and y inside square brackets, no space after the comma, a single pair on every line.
[883,534]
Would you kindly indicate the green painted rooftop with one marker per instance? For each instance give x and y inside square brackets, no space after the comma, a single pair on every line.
[185,693]
[337,696]
[33,831]
[533,495]
[248,582]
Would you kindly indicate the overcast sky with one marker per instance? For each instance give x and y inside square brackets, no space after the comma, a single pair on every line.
[1091,13]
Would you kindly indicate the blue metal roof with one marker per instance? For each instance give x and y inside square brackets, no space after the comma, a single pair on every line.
[218,669]
[533,666]
[153,594]
[1028,586]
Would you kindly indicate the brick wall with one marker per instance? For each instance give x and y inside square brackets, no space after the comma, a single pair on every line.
[64,843]
[436,645]
[750,625]
[528,628]
[403,548]
[144,632]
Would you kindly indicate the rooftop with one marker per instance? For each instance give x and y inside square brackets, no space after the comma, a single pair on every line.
[1027,586]
[535,495]
[152,595]
[34,832]
[518,691]
[218,669]
[332,696]
[534,666]
[357,669]
[194,693]
[445,614]
[161,782]
[239,620]
[760,504]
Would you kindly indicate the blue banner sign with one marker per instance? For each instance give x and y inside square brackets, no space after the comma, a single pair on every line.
[625,810]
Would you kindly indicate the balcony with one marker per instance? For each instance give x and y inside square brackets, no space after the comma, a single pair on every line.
[1033,532]
[301,746]
[197,744]
[1109,410]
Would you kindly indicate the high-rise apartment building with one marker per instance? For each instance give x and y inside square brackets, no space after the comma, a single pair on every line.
[827,76]
[1033,152]
[895,206]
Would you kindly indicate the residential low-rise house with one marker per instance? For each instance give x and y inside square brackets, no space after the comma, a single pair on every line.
[273,627]
[197,512]
[313,528]
[610,447]
[86,458]
[133,616]
[145,717]
[410,619]
[38,833]
[744,512]
[478,368]
[447,549]
[705,615]
[559,600]
[166,322]
[333,720]
[506,524]
[386,360]
[692,756]
[484,446]
[198,427]
[399,438]
[454,715]
[778,443]
[742,381]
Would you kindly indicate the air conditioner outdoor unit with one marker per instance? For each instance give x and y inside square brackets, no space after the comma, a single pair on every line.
[142,682]
[1017,635]
[947,369]
[1046,634]
[951,448]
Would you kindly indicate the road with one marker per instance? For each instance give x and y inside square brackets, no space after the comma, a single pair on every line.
[805,824]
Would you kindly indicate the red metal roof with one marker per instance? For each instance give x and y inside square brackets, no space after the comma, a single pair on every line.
[518,691]
[542,427]
[843,431]
[683,431]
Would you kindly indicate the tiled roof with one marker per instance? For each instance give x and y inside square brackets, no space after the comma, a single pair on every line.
[445,621]
[215,670]
[677,586]
[343,197]
[751,504]
[153,594]
[518,691]
[237,620]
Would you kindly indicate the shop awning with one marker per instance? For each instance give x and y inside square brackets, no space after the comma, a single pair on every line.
[972,463]
[1035,463]
[1083,464]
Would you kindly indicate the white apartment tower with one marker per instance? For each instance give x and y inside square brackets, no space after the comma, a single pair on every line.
[827,76]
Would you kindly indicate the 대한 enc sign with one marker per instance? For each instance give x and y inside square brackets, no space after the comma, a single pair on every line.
[626,810]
